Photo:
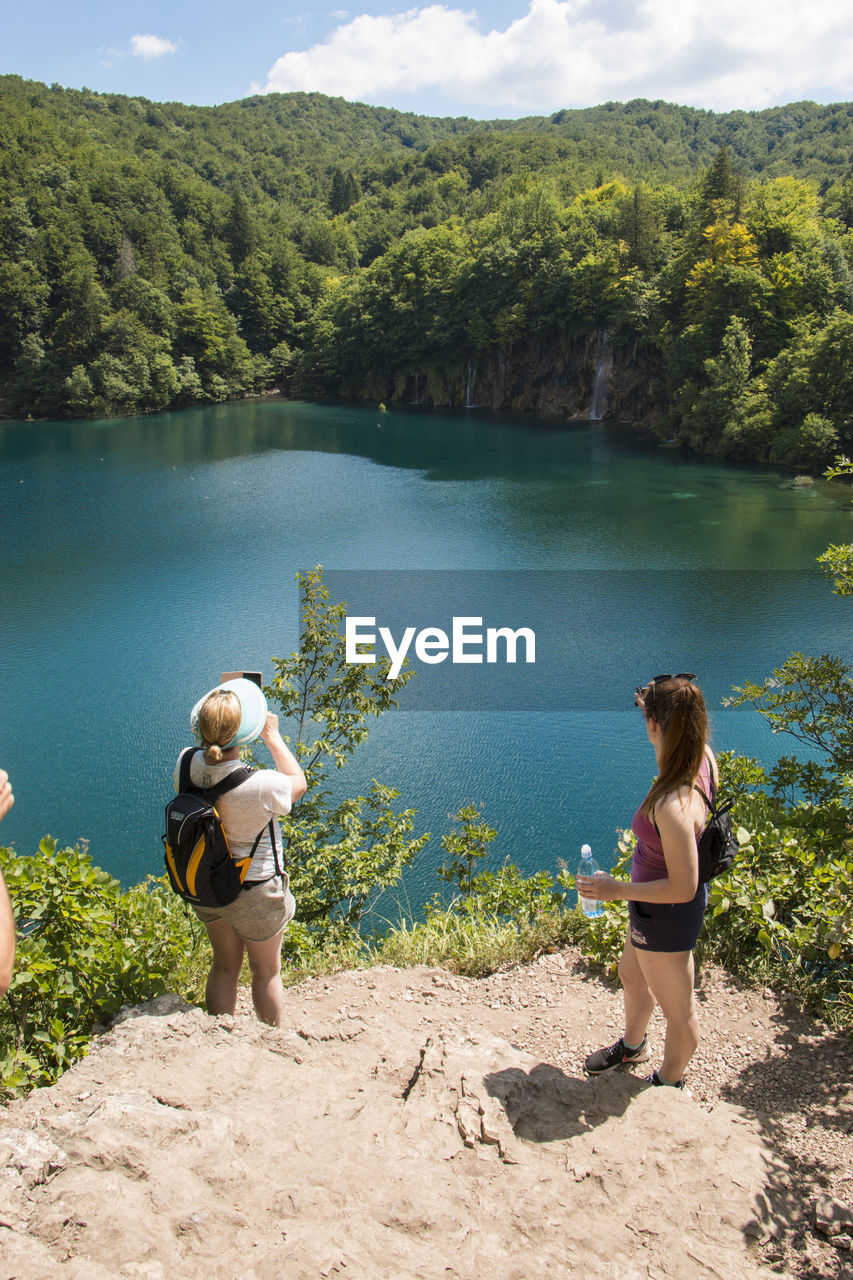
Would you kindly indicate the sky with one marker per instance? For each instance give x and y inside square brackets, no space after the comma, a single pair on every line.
[504,59]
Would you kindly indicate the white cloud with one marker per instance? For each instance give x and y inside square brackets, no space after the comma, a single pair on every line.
[711,53]
[148,47]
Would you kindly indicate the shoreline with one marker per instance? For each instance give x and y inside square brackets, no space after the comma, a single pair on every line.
[527,417]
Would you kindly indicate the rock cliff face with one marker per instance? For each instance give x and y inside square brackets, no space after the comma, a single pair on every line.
[386,1133]
[589,377]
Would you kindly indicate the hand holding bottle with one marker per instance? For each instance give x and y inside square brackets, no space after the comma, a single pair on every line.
[588,884]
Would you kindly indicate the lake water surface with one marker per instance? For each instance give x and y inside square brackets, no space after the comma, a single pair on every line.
[140,558]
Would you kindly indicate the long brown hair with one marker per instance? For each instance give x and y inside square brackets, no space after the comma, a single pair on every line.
[679,708]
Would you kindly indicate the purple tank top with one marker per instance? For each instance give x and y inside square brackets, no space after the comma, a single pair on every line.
[648,862]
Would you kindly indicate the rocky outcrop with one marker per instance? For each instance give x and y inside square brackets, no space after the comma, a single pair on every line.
[382,1134]
[557,379]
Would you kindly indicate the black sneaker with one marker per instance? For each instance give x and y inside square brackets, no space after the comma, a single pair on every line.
[616,1056]
[654,1078]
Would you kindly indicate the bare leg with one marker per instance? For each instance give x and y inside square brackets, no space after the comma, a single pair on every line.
[224,973]
[638,998]
[267,993]
[670,976]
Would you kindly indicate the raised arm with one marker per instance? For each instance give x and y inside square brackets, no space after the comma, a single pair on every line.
[283,758]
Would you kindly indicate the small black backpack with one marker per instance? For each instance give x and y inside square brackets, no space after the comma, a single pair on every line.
[717,845]
[197,856]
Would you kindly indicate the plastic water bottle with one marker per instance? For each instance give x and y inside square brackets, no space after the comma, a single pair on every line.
[591,907]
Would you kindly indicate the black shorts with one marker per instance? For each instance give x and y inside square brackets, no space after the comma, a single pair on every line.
[667,926]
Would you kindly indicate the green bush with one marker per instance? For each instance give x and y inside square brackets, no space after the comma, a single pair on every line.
[505,896]
[601,938]
[474,945]
[783,915]
[85,949]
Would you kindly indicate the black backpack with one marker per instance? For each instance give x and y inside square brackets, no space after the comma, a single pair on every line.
[198,860]
[717,845]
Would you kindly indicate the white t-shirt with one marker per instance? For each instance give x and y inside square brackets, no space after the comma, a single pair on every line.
[246,810]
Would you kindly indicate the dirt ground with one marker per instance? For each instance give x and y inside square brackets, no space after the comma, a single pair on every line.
[412,1123]
[777,1065]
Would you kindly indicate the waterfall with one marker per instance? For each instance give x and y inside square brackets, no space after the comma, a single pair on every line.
[472,378]
[602,376]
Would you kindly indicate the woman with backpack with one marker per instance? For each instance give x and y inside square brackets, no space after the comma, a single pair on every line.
[665,896]
[254,923]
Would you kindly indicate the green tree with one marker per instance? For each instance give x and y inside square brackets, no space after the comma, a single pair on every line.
[241,234]
[83,306]
[722,188]
[206,331]
[345,191]
[264,316]
[79,392]
[151,305]
[805,445]
[718,413]
[37,385]
[466,845]
[812,700]
[23,306]
[505,894]
[837,560]
[810,384]
[342,853]
[125,260]
[782,215]
[640,227]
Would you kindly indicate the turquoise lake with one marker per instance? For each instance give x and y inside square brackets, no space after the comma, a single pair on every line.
[143,557]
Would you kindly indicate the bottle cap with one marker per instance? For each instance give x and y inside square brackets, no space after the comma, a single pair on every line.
[586,851]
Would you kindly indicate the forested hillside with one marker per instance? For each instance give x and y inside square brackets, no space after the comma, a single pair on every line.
[157,255]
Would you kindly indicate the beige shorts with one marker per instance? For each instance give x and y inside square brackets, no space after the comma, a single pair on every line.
[258,913]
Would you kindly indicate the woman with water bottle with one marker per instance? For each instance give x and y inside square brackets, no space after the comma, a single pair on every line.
[666,900]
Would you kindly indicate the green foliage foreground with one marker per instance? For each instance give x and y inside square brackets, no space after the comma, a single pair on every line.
[86,948]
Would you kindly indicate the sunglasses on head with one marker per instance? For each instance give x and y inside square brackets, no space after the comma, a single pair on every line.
[642,692]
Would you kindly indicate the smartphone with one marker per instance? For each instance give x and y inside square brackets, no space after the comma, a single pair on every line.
[254,676]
